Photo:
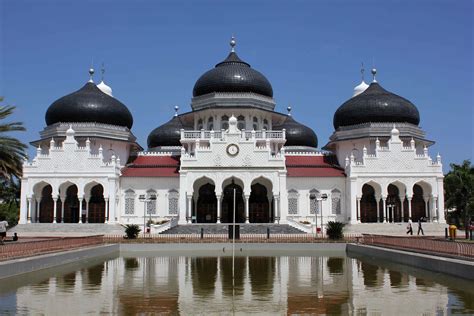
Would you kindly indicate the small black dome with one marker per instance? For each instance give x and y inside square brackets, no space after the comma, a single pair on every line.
[89,104]
[232,75]
[298,134]
[376,104]
[167,134]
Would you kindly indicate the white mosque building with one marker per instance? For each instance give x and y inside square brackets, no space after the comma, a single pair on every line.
[89,168]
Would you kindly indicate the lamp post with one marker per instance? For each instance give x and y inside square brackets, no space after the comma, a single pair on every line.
[143,198]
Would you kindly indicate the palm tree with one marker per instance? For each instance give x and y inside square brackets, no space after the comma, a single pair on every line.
[12,151]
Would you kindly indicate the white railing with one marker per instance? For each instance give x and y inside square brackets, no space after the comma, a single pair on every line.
[158,229]
[206,135]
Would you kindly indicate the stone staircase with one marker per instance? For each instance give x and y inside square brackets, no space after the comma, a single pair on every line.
[69,229]
[394,229]
[223,229]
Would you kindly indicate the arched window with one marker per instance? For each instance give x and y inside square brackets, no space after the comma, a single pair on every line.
[173,202]
[265,124]
[241,122]
[314,203]
[336,201]
[292,202]
[255,123]
[210,124]
[129,202]
[224,122]
[151,205]
[200,124]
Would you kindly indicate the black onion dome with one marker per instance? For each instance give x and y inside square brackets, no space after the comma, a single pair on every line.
[297,134]
[376,104]
[232,75]
[89,104]
[167,134]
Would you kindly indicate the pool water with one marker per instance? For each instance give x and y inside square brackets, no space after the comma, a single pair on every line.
[173,283]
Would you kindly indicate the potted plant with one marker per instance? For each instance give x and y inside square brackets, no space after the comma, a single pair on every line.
[334,230]
[132,231]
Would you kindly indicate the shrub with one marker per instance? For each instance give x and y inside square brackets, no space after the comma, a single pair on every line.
[334,230]
[132,231]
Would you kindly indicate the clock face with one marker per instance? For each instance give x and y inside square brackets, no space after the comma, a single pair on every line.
[233,149]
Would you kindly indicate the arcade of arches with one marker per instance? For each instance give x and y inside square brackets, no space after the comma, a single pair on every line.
[258,207]
[67,207]
[395,207]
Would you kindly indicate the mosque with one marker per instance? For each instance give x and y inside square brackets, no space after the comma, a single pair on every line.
[232,156]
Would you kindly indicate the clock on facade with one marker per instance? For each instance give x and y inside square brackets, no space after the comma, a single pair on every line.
[233,149]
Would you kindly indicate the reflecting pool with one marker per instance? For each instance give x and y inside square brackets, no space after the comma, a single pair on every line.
[265,284]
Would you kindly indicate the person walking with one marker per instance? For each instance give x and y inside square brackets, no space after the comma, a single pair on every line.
[3,230]
[410,227]
[419,226]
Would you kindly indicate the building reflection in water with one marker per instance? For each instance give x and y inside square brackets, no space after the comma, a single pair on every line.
[273,285]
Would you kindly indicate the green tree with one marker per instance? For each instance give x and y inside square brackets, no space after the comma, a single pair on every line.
[10,201]
[458,190]
[12,151]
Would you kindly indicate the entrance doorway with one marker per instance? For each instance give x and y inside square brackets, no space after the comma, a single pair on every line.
[259,206]
[228,204]
[207,204]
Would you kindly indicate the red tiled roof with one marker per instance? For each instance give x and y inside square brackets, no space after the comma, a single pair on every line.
[152,166]
[313,166]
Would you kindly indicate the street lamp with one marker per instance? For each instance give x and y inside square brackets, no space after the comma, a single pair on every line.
[143,198]
[319,198]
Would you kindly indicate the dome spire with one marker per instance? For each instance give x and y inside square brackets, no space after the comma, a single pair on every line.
[91,74]
[176,108]
[362,70]
[374,72]
[289,110]
[362,86]
[102,86]
[102,71]
[232,44]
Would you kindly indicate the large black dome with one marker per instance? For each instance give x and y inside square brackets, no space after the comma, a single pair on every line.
[376,104]
[167,134]
[89,104]
[297,134]
[232,75]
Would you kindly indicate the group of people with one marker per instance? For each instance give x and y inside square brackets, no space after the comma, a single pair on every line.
[410,226]
[3,231]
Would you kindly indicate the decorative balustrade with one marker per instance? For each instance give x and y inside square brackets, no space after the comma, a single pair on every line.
[206,135]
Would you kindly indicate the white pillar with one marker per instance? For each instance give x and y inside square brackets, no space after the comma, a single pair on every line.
[25,216]
[107,210]
[87,209]
[353,199]
[188,211]
[55,209]
[28,206]
[182,199]
[384,208]
[80,209]
[441,218]
[358,210]
[377,201]
[247,198]
[219,202]
[275,208]
[35,219]
[427,203]
[409,207]
[283,210]
[113,199]
[402,202]
[435,209]
[62,209]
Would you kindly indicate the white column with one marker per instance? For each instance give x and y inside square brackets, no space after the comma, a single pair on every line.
[384,208]
[113,199]
[87,209]
[188,211]
[283,210]
[435,209]
[63,199]
[219,202]
[35,219]
[409,207]
[441,218]
[107,210]
[247,198]
[28,206]
[377,201]
[353,198]
[402,202]
[182,199]
[55,209]
[358,210]
[80,209]
[25,216]
[275,208]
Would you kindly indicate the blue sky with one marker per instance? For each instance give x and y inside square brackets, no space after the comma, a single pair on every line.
[310,51]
